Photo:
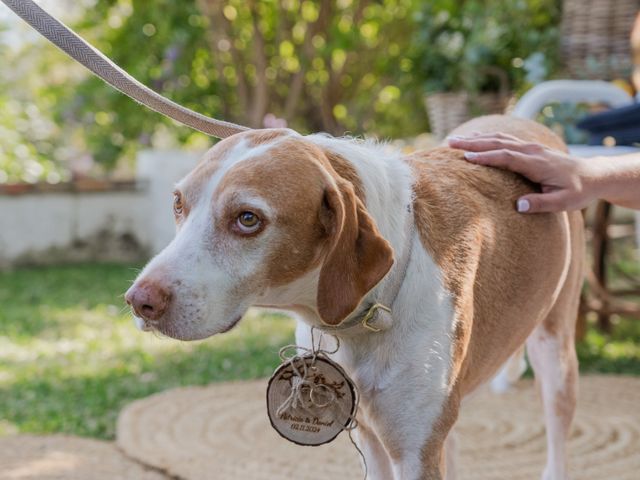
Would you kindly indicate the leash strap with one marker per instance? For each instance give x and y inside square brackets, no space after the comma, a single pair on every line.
[73,45]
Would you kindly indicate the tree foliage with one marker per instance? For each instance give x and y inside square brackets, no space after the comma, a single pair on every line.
[331,66]
[356,66]
[477,45]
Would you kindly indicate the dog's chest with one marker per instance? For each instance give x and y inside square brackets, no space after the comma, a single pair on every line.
[374,373]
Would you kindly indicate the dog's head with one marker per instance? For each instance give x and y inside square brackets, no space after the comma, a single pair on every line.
[264,219]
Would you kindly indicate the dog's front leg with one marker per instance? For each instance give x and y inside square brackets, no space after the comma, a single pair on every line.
[413,424]
[378,463]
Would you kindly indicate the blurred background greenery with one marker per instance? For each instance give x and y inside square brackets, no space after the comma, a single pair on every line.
[70,357]
[330,65]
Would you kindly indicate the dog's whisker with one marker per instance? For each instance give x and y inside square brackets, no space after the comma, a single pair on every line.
[125,308]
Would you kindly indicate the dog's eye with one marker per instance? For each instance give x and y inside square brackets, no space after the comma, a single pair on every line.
[177,203]
[248,222]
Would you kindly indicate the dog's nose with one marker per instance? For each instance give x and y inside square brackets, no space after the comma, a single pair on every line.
[148,300]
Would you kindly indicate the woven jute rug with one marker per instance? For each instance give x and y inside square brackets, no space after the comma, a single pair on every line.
[222,432]
[61,457]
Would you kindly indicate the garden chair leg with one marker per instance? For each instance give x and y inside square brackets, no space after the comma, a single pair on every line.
[600,250]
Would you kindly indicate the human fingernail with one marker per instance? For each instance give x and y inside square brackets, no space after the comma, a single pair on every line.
[470,155]
[523,205]
[455,138]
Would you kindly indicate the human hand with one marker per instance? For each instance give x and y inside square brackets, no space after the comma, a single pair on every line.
[567,183]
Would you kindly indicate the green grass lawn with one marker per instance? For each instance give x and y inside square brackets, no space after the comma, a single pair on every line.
[71,358]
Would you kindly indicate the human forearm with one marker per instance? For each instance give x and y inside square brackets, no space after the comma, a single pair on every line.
[617,179]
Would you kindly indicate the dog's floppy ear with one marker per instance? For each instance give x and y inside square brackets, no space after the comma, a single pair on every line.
[359,257]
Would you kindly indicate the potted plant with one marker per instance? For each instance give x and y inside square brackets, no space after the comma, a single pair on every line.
[472,54]
[439,44]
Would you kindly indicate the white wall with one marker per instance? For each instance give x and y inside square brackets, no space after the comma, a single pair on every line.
[35,225]
[161,170]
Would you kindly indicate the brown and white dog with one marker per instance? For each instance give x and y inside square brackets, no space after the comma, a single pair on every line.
[311,224]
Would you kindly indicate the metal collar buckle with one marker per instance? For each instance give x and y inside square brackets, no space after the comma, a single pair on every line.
[370,313]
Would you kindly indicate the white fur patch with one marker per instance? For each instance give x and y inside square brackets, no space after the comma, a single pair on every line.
[409,364]
[510,373]
[386,178]
[139,323]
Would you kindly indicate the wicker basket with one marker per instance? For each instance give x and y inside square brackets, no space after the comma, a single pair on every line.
[595,37]
[446,111]
[491,102]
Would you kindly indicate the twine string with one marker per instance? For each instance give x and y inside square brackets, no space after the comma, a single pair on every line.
[306,395]
[303,391]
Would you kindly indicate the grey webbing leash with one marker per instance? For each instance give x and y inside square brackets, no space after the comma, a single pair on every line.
[77,48]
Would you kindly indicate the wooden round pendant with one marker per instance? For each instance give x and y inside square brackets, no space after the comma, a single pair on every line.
[324,406]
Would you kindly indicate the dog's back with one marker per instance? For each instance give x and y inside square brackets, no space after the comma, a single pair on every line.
[506,270]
